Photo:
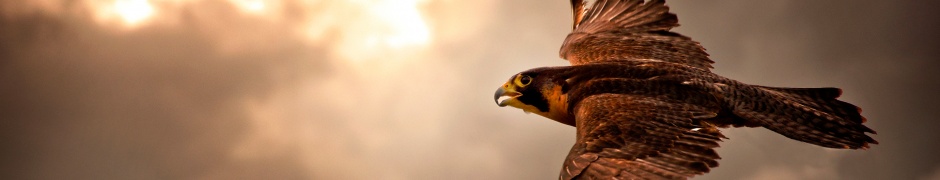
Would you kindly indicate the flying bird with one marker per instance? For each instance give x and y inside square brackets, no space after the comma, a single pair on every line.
[647,106]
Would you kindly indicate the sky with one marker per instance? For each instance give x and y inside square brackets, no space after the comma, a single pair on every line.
[401,89]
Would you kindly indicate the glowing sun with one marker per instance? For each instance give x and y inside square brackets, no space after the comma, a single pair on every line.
[133,11]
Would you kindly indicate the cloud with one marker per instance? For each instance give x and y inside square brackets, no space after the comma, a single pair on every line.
[934,175]
[349,90]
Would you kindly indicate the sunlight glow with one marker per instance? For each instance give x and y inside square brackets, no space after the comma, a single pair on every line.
[403,20]
[251,5]
[126,13]
[355,30]
[133,11]
[372,29]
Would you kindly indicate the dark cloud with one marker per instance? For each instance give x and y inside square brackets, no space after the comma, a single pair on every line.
[84,101]
[218,94]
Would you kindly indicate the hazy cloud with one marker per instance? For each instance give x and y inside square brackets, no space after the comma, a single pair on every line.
[255,89]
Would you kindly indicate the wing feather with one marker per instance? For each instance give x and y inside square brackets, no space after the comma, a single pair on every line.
[618,30]
[634,136]
[577,9]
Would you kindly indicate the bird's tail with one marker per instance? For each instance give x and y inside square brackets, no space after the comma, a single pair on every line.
[811,115]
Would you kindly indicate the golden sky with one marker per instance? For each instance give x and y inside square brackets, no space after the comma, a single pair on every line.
[400,89]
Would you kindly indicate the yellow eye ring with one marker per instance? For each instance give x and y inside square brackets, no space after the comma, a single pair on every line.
[525,80]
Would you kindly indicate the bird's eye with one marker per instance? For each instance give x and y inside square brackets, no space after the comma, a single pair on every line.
[525,80]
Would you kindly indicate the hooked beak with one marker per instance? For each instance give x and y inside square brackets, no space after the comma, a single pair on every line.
[506,95]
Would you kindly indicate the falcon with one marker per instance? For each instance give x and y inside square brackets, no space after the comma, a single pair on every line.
[646,105]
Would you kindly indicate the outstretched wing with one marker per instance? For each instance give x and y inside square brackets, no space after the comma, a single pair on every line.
[616,30]
[638,137]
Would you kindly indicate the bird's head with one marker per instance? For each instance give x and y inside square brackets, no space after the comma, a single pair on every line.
[536,91]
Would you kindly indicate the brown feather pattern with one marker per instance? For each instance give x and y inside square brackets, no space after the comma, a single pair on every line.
[644,110]
[614,30]
[646,105]
[638,136]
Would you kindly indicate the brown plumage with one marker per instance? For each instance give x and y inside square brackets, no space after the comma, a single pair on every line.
[646,105]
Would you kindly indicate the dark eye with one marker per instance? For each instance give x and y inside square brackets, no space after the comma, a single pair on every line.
[525,80]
